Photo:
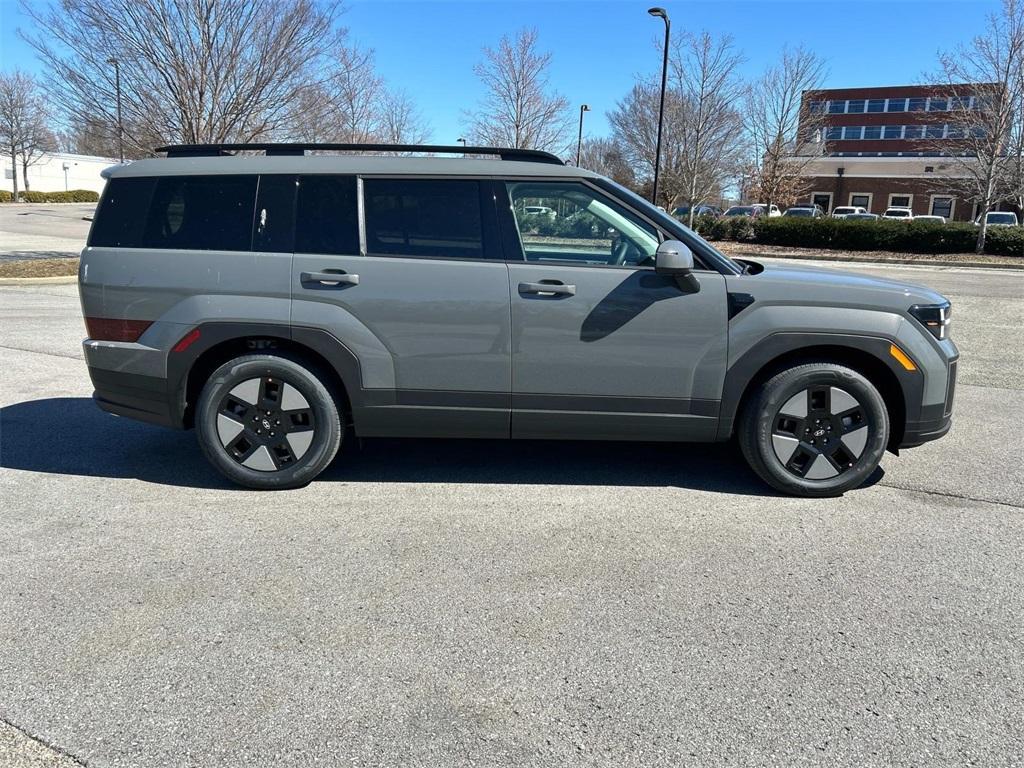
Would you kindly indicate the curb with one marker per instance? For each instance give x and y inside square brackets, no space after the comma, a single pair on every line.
[60,280]
[883,262]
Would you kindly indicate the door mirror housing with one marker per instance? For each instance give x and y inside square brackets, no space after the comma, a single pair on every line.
[673,258]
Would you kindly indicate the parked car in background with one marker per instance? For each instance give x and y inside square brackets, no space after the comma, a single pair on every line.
[896,212]
[862,217]
[934,219]
[805,211]
[540,210]
[755,210]
[999,219]
[842,211]
[700,210]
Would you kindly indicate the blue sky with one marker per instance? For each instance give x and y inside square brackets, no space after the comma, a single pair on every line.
[428,47]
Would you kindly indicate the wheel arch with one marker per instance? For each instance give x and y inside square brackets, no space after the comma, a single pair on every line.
[900,389]
[189,370]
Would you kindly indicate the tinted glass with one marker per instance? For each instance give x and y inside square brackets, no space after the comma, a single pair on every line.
[860,201]
[202,213]
[892,132]
[836,107]
[423,217]
[916,105]
[897,105]
[942,206]
[121,215]
[327,215]
[937,105]
[273,227]
[914,132]
[873,132]
[876,105]
[834,133]
[933,132]
[855,105]
[853,131]
[899,201]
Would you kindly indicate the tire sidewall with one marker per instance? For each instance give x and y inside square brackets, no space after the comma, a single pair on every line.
[326,439]
[780,389]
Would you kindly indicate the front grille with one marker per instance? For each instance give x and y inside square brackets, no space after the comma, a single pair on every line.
[950,387]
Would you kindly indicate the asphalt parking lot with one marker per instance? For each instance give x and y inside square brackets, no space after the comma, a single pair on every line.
[43,231]
[480,603]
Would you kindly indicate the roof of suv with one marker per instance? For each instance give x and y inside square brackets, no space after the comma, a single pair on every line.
[346,164]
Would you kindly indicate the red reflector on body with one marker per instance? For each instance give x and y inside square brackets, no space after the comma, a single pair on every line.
[107,329]
[186,340]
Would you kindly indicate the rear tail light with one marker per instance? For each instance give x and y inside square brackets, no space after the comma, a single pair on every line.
[108,329]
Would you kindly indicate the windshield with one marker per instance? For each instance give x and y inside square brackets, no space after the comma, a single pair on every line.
[1002,218]
[798,212]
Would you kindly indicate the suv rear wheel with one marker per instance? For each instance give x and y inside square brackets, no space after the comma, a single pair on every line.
[818,429]
[267,422]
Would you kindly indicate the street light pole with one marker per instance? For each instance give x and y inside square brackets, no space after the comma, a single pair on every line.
[661,106]
[579,142]
[117,87]
[461,141]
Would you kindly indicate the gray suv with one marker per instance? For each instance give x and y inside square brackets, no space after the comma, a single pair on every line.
[277,300]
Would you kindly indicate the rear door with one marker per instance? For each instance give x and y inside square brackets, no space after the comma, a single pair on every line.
[418,291]
[602,346]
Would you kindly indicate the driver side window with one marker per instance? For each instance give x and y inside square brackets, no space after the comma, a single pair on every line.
[568,222]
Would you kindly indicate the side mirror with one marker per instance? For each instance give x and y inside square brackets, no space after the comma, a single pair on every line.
[675,259]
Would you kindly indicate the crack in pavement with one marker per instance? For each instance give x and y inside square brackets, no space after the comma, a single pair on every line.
[949,495]
[39,352]
[60,757]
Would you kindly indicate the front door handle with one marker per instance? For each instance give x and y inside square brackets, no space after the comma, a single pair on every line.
[329,278]
[549,288]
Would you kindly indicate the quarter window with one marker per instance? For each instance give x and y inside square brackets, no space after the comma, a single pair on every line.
[202,213]
[570,222]
[327,217]
[423,217]
[121,216]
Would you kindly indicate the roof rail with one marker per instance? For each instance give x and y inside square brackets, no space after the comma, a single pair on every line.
[212,150]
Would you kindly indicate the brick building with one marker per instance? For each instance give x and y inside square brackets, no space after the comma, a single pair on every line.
[887,147]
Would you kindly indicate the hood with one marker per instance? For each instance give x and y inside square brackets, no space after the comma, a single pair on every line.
[793,284]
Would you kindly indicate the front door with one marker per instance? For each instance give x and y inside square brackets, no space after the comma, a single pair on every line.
[422,302]
[602,346]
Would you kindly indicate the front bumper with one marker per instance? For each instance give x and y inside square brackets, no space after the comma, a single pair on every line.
[934,421]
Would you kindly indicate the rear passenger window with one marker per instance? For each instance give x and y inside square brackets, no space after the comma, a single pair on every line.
[327,220]
[421,217]
[273,227]
[121,215]
[202,213]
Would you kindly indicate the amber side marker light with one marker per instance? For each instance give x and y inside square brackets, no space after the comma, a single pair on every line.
[902,358]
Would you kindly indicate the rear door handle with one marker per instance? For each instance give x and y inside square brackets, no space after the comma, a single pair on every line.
[552,288]
[329,278]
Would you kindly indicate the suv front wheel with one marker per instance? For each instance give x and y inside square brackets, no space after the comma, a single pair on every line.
[818,429]
[267,422]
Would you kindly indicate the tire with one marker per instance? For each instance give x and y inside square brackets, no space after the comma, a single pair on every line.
[268,422]
[818,429]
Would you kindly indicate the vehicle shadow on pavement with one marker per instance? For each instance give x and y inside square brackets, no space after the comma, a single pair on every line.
[71,436]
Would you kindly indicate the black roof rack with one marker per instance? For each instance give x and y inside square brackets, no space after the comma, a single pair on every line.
[212,150]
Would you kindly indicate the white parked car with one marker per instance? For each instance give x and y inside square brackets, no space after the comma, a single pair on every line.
[898,212]
[999,219]
[540,210]
[842,211]
[935,219]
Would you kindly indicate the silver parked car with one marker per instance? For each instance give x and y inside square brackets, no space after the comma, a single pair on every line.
[276,302]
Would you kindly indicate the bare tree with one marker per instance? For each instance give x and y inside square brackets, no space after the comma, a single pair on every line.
[981,148]
[1016,164]
[519,110]
[710,129]
[21,120]
[606,157]
[191,70]
[634,124]
[785,135]
[400,120]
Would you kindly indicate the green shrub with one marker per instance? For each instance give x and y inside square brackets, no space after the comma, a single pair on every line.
[740,228]
[882,235]
[1004,241]
[71,196]
[33,197]
[84,196]
[5,196]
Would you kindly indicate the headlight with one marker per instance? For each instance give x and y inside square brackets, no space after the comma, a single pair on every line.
[934,317]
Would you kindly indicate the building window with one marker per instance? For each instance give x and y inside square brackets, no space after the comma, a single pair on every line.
[914,132]
[855,106]
[872,132]
[960,103]
[853,132]
[934,131]
[900,201]
[816,107]
[876,105]
[942,206]
[824,199]
[893,132]
[937,104]
[896,105]
[916,105]
[836,107]
[861,199]
[834,133]
[955,132]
